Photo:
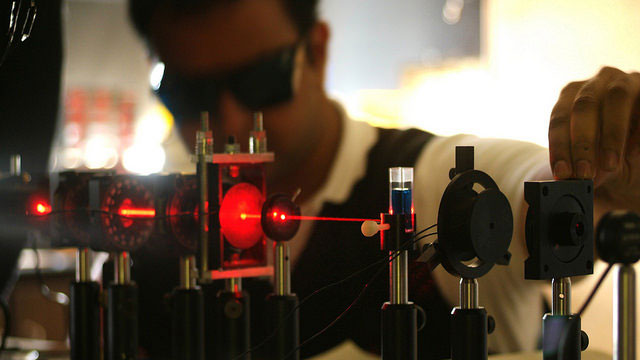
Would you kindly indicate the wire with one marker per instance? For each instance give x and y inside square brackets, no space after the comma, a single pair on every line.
[385,259]
[364,289]
[53,296]
[565,332]
[7,324]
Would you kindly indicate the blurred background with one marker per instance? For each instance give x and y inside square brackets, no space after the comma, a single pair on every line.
[487,67]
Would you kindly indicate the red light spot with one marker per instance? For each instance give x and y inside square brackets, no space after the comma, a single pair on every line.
[234,171]
[275,214]
[42,208]
[283,217]
[240,231]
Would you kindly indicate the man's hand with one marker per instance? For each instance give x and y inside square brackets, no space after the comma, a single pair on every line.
[594,133]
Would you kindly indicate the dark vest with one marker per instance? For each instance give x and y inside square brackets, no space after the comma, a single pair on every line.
[337,249]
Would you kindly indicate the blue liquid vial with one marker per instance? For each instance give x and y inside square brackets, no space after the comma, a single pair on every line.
[401,190]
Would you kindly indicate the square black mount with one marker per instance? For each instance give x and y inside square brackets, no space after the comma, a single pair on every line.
[559,229]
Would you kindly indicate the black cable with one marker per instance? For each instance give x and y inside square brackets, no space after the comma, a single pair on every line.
[385,259]
[566,330]
[334,321]
[7,324]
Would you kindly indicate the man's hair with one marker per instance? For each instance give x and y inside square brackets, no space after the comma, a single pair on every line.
[303,13]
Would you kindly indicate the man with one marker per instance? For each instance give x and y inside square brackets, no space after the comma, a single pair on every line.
[213,48]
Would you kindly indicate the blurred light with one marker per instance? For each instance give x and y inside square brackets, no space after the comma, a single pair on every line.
[136,212]
[71,133]
[452,11]
[100,152]
[33,355]
[156,75]
[71,158]
[144,159]
[154,126]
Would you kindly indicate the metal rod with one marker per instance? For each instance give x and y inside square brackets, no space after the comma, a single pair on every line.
[202,149]
[624,328]
[15,165]
[83,265]
[188,272]
[468,293]
[233,285]
[561,294]
[282,271]
[122,268]
[399,281]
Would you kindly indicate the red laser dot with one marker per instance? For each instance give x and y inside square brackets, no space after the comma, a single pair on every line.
[275,214]
[283,217]
[243,216]
[42,208]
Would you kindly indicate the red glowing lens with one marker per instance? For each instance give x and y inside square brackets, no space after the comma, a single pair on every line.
[239,219]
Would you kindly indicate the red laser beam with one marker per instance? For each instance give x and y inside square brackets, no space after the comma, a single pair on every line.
[137,212]
[284,217]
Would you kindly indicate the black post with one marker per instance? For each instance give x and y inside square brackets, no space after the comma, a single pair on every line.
[469,330]
[84,325]
[399,334]
[188,324]
[122,322]
[232,336]
[287,336]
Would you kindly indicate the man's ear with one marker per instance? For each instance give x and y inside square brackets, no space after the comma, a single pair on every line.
[318,46]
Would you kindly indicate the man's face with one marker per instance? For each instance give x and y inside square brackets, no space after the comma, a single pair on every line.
[223,38]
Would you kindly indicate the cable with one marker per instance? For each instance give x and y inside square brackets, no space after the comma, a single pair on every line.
[565,332]
[373,278]
[385,259]
[53,296]
[7,324]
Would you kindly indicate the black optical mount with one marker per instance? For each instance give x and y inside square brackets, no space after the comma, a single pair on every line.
[282,301]
[475,226]
[559,233]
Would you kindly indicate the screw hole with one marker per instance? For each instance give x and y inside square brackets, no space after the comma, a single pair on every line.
[545,191]
[589,189]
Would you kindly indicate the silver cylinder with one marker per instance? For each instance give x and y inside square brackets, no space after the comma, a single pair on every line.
[624,327]
[83,265]
[398,278]
[257,136]
[15,165]
[122,263]
[561,296]
[282,270]
[233,285]
[469,294]
[204,147]
[188,272]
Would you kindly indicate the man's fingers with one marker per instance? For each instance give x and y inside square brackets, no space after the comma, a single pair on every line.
[617,106]
[585,123]
[560,132]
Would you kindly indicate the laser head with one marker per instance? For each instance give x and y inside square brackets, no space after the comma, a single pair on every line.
[280,217]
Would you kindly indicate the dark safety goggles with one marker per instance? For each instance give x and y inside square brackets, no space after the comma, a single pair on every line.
[269,81]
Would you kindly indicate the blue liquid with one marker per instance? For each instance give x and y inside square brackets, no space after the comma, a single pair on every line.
[401,201]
